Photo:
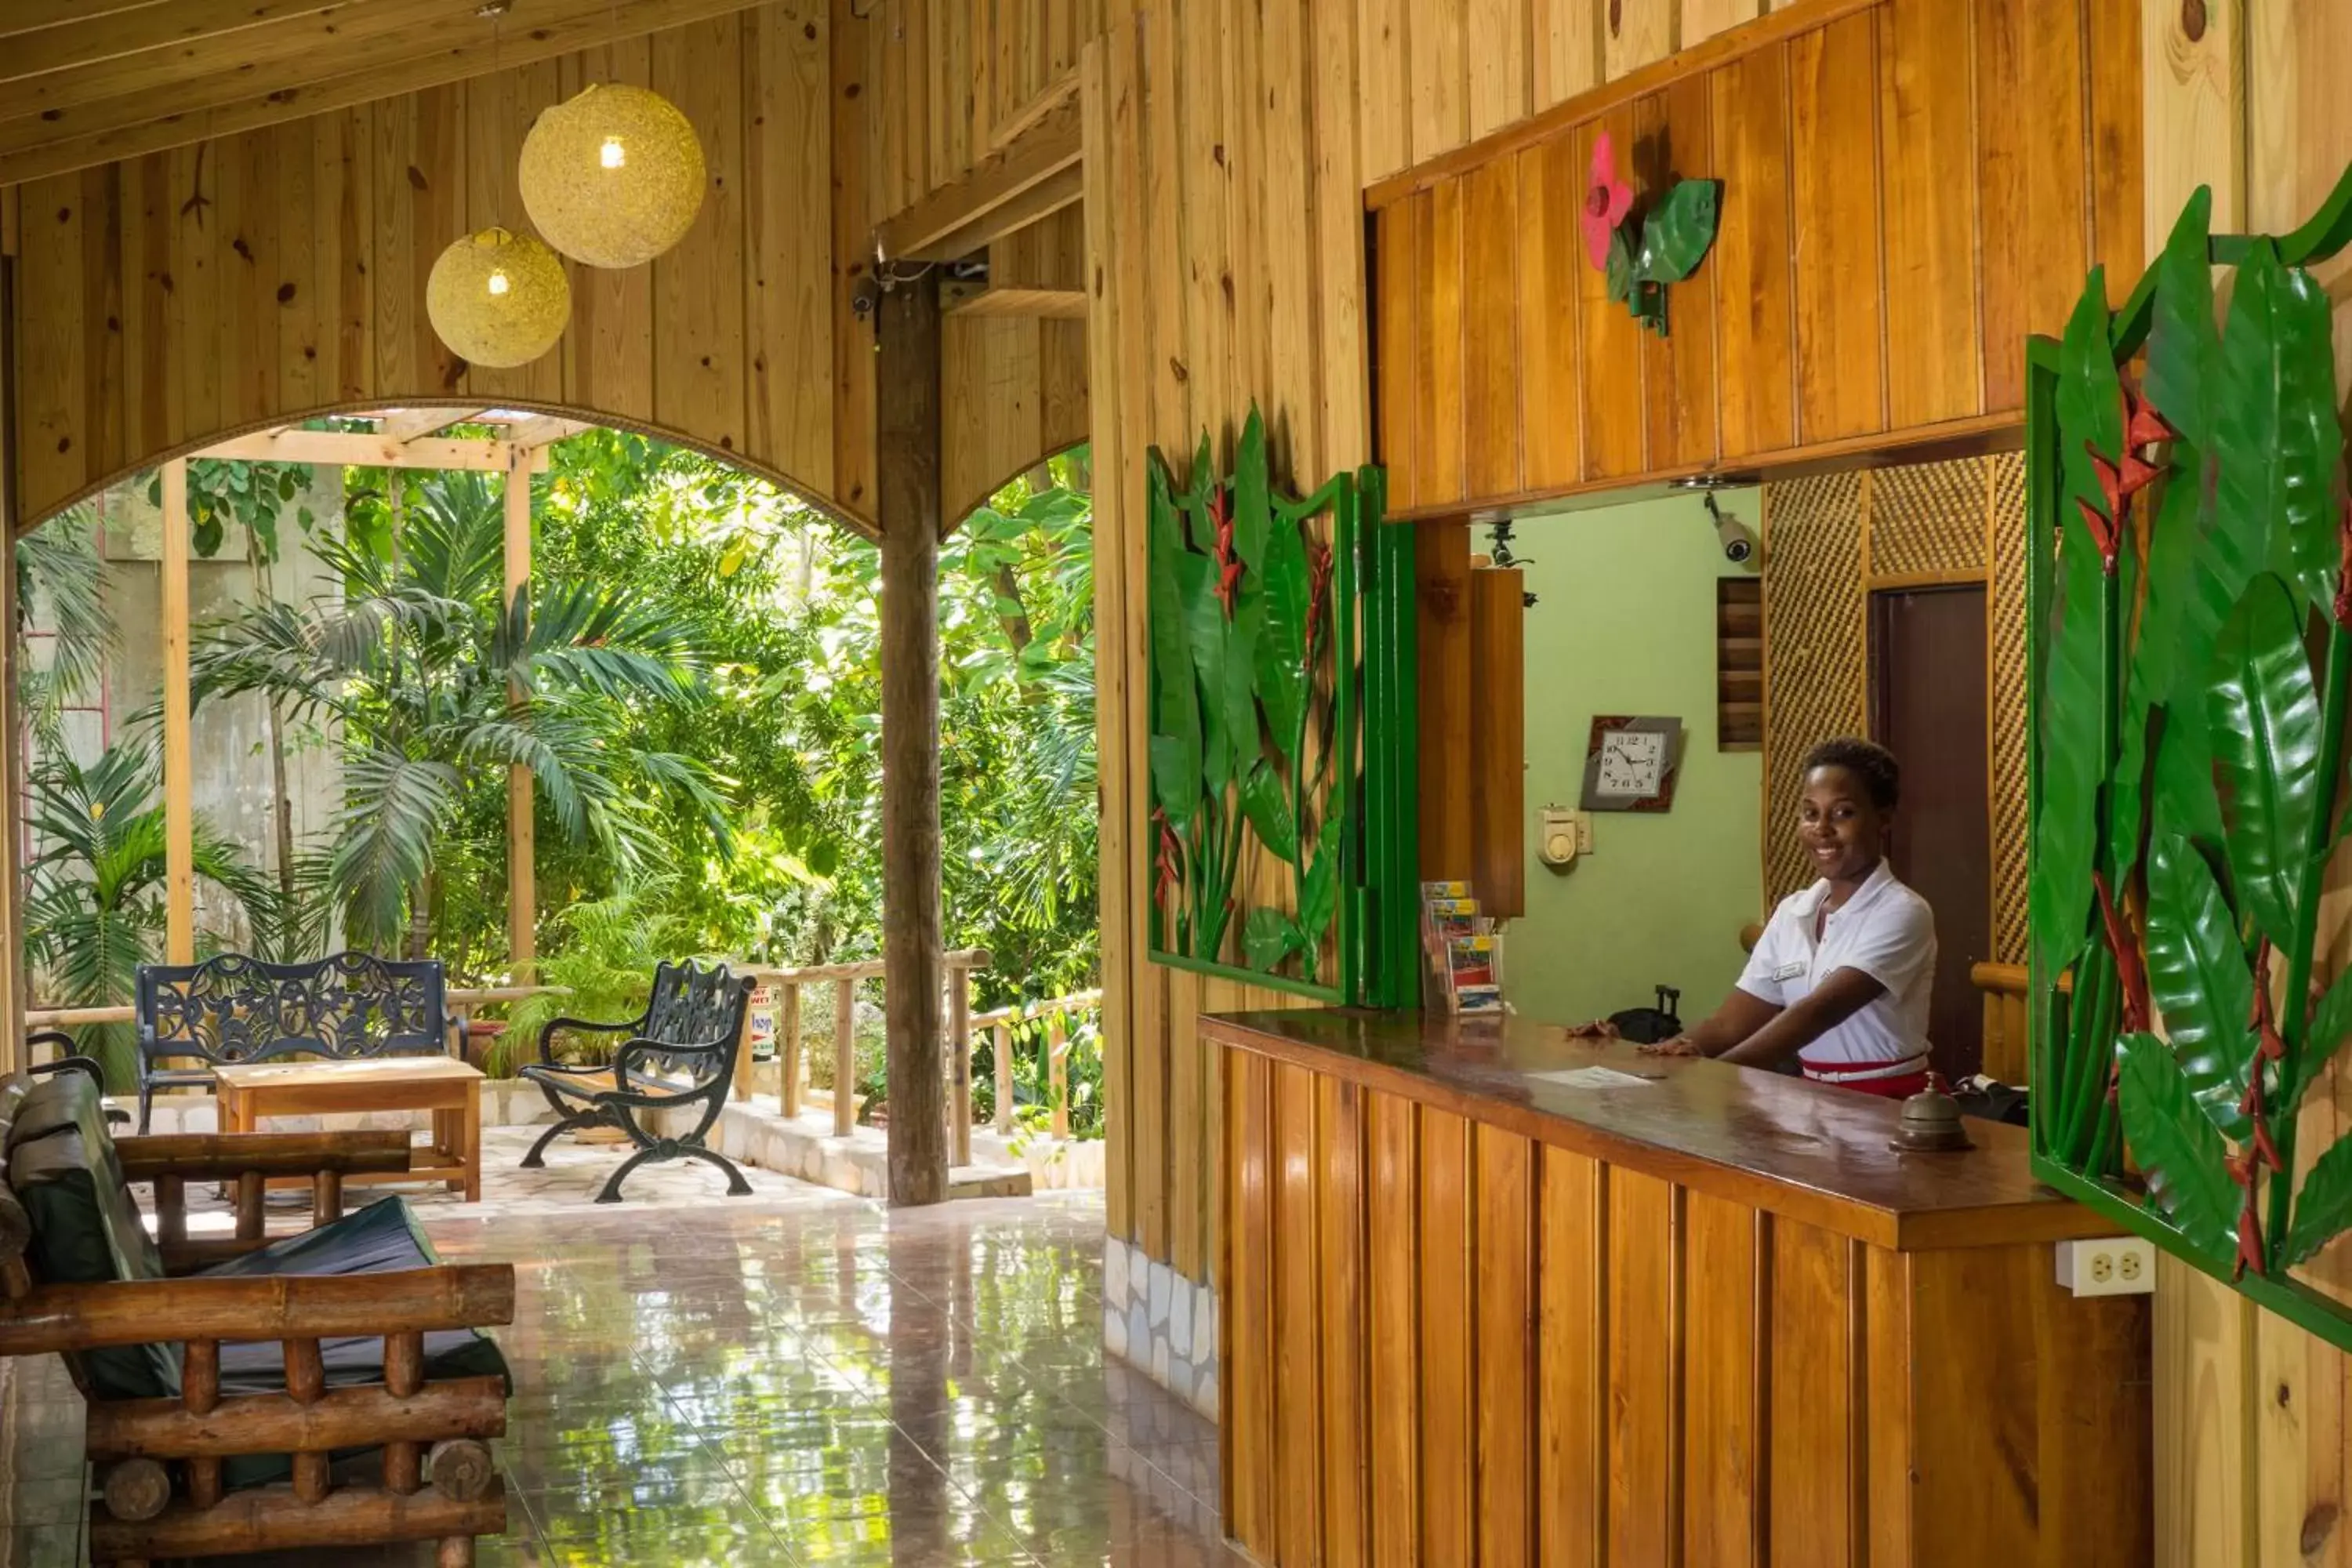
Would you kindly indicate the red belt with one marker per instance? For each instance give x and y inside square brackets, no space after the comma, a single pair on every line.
[1870,1078]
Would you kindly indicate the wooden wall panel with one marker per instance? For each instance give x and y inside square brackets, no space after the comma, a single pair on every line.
[267,275]
[1572,1361]
[1342,1236]
[1505,1253]
[1727,1253]
[1885,244]
[1492,379]
[1449,1335]
[1442,644]
[1497,759]
[1297,1425]
[1816,1497]
[1393,1271]
[1644,1314]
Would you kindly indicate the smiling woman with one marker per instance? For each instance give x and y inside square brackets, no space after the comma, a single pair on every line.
[1841,978]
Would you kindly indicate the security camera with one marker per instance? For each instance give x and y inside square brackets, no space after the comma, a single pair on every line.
[1738,540]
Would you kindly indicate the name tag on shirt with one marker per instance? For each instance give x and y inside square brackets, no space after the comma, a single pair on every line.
[1795,971]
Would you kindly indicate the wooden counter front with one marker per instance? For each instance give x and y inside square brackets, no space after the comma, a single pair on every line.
[1470,1318]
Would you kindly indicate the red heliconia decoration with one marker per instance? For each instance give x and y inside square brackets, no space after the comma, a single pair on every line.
[1165,871]
[1221,549]
[2143,426]
[2131,968]
[1320,565]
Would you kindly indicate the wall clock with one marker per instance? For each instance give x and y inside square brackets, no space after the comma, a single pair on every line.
[1629,762]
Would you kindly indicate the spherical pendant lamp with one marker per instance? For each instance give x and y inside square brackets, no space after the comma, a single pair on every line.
[613,177]
[498,298]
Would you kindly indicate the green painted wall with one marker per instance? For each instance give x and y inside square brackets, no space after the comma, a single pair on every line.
[1625,623]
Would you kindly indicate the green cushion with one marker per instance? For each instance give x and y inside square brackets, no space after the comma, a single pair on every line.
[86,1225]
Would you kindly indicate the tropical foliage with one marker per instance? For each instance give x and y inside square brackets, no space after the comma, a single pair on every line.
[1248,698]
[2193,662]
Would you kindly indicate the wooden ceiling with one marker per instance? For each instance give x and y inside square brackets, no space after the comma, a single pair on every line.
[88,82]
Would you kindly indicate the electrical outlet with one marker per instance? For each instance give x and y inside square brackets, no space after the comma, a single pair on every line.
[2107,1265]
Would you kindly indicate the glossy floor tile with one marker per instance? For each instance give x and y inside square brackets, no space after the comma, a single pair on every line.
[798,1378]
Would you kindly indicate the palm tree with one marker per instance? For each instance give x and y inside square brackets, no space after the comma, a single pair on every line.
[94,903]
[428,675]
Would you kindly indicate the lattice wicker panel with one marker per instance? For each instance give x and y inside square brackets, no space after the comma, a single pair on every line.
[2005,630]
[1816,649]
[1927,518]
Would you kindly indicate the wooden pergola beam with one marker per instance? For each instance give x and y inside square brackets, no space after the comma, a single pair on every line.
[355,449]
[986,300]
[408,424]
[1037,173]
[531,435]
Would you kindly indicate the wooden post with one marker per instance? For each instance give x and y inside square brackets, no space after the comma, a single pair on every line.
[908,487]
[179,769]
[845,1057]
[522,894]
[741,1089]
[788,1049]
[1004,1075]
[960,1065]
[1057,1069]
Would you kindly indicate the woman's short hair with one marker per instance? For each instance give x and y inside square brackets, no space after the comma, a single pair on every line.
[1870,762]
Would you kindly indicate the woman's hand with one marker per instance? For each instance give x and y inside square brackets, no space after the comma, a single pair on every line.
[1680,1046]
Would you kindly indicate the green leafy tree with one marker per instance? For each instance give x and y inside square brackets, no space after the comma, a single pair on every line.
[433,681]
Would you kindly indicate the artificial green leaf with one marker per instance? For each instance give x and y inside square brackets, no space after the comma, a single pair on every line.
[2262,718]
[1282,675]
[1318,895]
[2198,979]
[1675,235]
[1620,270]
[2074,698]
[2127,782]
[2323,1209]
[2177,627]
[1268,936]
[1267,807]
[1253,497]
[1175,700]
[2178,1149]
[2184,349]
[1210,637]
[2090,399]
[2276,436]
[2185,802]
[2331,1026]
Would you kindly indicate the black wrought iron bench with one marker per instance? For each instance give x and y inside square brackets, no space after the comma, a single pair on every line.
[235,1384]
[679,1056]
[232,1009]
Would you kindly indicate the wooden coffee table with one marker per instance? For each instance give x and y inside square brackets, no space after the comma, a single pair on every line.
[451,1090]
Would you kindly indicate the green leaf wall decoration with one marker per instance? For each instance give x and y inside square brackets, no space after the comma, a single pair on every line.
[2190,682]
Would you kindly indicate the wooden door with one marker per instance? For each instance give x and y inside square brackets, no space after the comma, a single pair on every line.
[1927,665]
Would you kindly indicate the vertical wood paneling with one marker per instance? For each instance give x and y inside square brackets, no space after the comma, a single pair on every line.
[1441,554]
[1397,379]
[1723,1490]
[2205,1341]
[2096,1501]
[1497,698]
[50,388]
[436,173]
[1812,1423]
[1169,359]
[698,367]
[1249,1299]
[1754,328]
[1393,1272]
[306,313]
[1297,1413]
[1437,340]
[103,387]
[853,252]
[1702,19]
[1495,49]
[1201,97]
[498,113]
[347,179]
[1551,249]
[1286,199]
[1833,135]
[2032,223]
[1339,350]
[1505,1296]
[1449,1524]
[2111,48]
[1567,35]
[1491,376]
[1679,369]
[247,340]
[1926,92]
[788,175]
[194,285]
[1644,1262]
[150,369]
[1434,69]
[1385,85]
[1981,1405]
[1637,33]
[1572,1356]
[1611,342]
[1897,1322]
[1340,1240]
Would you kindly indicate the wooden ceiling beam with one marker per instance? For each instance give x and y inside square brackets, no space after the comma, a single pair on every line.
[983,300]
[1037,173]
[353,449]
[408,424]
[185,26]
[31,15]
[33,145]
[545,430]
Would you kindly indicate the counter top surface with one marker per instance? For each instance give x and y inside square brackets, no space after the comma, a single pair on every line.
[1815,1153]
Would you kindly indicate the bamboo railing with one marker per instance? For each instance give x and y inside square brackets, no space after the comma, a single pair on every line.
[1057,1010]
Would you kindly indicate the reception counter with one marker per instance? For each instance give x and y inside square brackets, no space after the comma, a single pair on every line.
[1669,1313]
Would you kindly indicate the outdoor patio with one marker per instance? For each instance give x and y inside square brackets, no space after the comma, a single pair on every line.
[795,1377]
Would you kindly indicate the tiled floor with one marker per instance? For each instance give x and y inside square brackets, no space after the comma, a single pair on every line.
[794,1378]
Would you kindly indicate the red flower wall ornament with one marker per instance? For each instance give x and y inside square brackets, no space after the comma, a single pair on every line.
[1641,255]
[1607,201]
[1221,549]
